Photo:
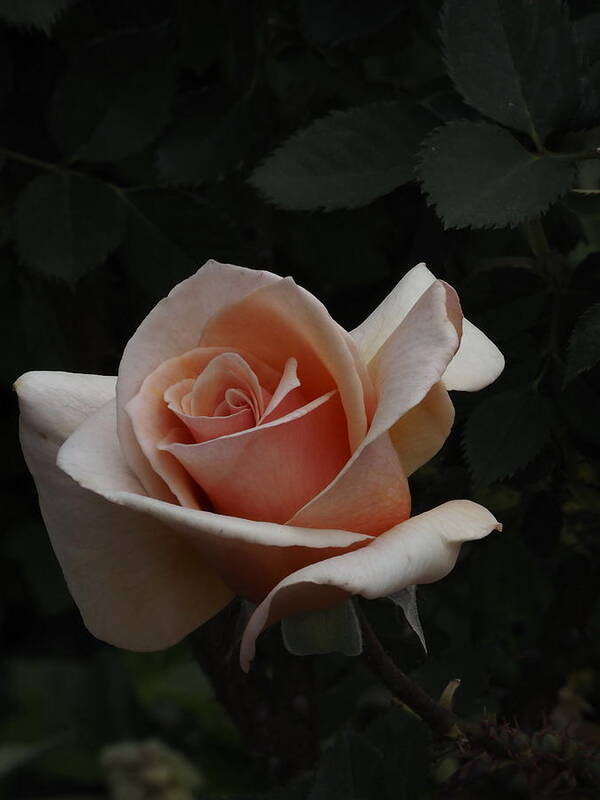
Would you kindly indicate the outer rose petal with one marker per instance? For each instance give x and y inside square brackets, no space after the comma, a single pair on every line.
[171,328]
[282,321]
[136,583]
[478,361]
[252,556]
[371,493]
[421,550]
[421,432]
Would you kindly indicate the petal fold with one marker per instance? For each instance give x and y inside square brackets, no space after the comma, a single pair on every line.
[423,549]
[477,363]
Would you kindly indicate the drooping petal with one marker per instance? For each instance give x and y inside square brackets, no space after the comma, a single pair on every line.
[251,556]
[477,363]
[175,326]
[423,549]
[371,493]
[268,472]
[281,321]
[420,433]
[137,584]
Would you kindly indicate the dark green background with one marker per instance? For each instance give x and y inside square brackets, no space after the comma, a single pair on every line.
[136,141]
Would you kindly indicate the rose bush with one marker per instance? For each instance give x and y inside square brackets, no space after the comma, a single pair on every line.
[252,446]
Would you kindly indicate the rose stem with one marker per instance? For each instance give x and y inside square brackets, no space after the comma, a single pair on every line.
[440,719]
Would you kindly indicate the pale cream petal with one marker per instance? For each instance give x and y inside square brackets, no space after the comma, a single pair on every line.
[420,433]
[477,363]
[137,584]
[423,549]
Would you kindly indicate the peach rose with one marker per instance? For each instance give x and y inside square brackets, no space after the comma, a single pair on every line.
[252,446]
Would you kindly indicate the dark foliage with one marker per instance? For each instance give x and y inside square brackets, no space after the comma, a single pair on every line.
[341,142]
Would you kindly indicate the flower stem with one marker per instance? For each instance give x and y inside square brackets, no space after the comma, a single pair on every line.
[440,719]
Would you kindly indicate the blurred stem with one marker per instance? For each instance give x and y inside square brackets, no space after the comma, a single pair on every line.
[25,159]
[440,719]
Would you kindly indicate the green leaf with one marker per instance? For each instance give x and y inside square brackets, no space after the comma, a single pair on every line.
[66,224]
[505,433]
[347,159]
[329,630]
[212,136]
[40,14]
[352,769]
[586,32]
[170,235]
[330,22]
[115,97]
[404,743]
[580,402]
[513,60]
[478,175]
[584,345]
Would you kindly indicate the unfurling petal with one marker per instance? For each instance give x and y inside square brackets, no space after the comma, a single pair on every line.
[423,549]
[478,361]
[371,493]
[137,583]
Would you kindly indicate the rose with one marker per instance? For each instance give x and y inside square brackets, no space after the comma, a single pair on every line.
[251,445]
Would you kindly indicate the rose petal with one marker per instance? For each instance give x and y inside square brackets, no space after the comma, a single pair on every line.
[174,326]
[422,549]
[152,420]
[478,361]
[420,433]
[268,472]
[371,492]
[252,556]
[136,584]
[281,321]
[287,396]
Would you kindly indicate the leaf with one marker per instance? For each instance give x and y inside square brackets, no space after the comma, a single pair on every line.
[478,175]
[329,630]
[579,403]
[584,345]
[505,433]
[171,234]
[346,159]
[330,22]
[586,32]
[513,60]
[352,769]
[115,97]
[407,600]
[211,137]
[40,14]
[66,224]
[405,744]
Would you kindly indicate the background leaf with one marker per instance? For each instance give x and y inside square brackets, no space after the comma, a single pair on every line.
[505,432]
[40,14]
[114,98]
[67,224]
[478,175]
[584,345]
[329,22]
[513,60]
[346,159]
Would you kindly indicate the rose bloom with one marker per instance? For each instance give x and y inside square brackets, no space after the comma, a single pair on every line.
[252,446]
